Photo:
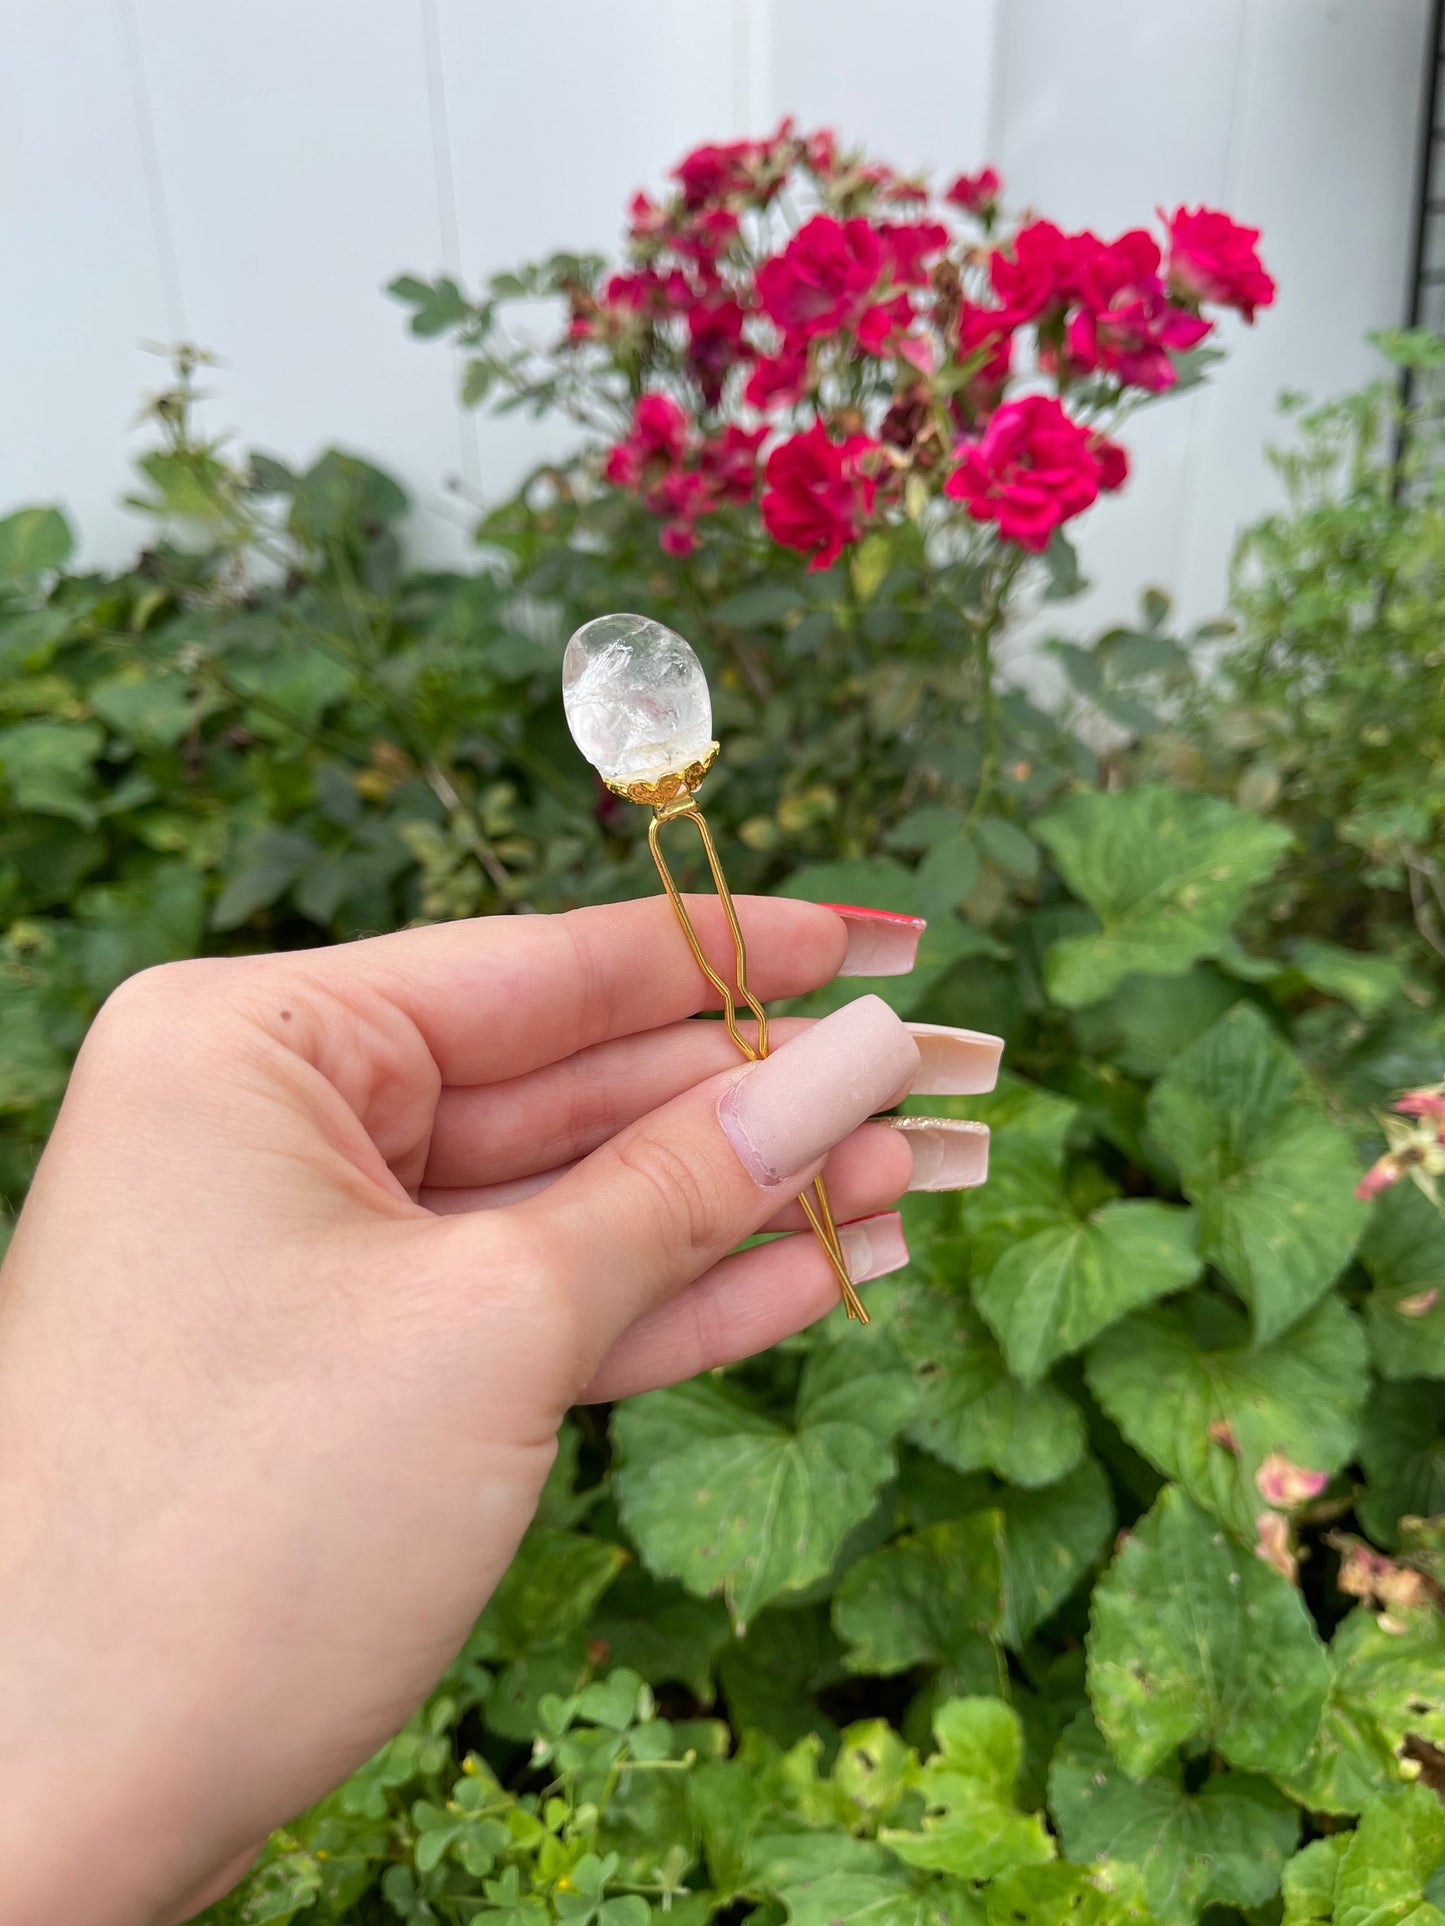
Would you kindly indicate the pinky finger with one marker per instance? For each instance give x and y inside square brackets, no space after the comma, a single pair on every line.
[744,1304]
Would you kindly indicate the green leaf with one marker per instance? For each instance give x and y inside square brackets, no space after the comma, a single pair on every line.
[1310,1880]
[160,917]
[1388,1686]
[973,1828]
[1166,873]
[1225,1844]
[1403,1249]
[1046,1297]
[1209,1415]
[1272,1177]
[1367,983]
[971,1413]
[33,1068]
[548,1590]
[1007,846]
[1061,1895]
[933,1597]
[1150,1020]
[1392,1856]
[877,1899]
[724,1497]
[1193,1639]
[33,541]
[146,709]
[1402,1450]
[48,767]
[1051,1538]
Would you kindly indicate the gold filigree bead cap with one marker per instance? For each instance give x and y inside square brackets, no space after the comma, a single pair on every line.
[637,702]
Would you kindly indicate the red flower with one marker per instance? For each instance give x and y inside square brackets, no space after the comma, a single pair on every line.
[1032,469]
[715,343]
[1422,1103]
[820,153]
[908,244]
[880,326]
[977,193]
[818,494]
[1127,324]
[1045,270]
[730,463]
[1212,258]
[781,378]
[658,438]
[713,173]
[985,339]
[703,238]
[823,277]
[1113,464]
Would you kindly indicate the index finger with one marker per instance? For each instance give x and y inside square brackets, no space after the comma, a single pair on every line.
[497,996]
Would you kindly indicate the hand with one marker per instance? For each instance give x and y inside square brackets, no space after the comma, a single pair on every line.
[321,1250]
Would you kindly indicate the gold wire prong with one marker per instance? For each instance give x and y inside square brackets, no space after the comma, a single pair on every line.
[677,805]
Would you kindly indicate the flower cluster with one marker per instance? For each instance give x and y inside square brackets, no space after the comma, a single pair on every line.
[819,363]
[1416,1150]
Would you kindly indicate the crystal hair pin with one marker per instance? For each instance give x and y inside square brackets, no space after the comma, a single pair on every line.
[638,707]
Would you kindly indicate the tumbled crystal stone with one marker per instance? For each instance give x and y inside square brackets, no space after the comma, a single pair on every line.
[636,698]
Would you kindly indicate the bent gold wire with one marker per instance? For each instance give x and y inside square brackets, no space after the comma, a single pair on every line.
[817,1209]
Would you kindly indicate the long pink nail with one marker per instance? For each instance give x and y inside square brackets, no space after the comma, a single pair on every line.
[784,1113]
[880,942]
[873,1246]
[954,1063]
[949,1153]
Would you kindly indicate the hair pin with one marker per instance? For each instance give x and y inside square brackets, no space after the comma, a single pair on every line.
[639,709]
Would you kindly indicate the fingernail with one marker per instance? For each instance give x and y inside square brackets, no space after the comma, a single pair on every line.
[880,943]
[949,1153]
[873,1246]
[782,1114]
[954,1063]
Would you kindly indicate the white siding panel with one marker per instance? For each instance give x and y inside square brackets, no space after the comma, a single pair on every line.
[84,264]
[558,112]
[1329,131]
[296,147]
[909,79]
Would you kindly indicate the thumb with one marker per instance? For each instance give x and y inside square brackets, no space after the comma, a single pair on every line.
[661,1202]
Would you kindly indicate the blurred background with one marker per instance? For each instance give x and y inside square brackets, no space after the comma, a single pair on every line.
[249,176]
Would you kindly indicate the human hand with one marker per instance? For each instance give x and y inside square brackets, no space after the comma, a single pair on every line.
[298,1303]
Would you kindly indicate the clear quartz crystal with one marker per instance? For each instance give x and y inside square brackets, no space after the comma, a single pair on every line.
[636,698]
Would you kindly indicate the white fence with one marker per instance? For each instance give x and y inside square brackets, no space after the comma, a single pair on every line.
[247,174]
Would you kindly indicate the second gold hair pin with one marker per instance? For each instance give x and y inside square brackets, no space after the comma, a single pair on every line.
[639,709]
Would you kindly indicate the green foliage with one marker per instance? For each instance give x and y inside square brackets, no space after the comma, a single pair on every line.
[851,1631]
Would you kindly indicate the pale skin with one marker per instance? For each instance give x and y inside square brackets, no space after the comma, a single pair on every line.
[278,1395]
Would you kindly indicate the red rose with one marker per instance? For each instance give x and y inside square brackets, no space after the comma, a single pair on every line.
[1212,258]
[715,343]
[714,172]
[880,326]
[658,438]
[705,236]
[977,193]
[908,244]
[1113,464]
[730,463]
[1032,468]
[985,342]
[818,493]
[822,278]
[1127,323]
[1046,269]
[820,153]
[780,378]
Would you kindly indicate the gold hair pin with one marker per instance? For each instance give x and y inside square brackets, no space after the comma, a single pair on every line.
[639,709]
